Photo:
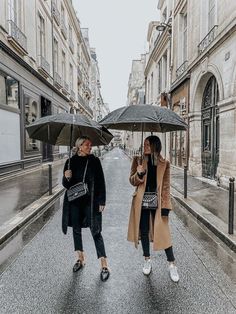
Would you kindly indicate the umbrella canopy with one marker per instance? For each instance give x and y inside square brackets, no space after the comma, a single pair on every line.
[65,128]
[147,118]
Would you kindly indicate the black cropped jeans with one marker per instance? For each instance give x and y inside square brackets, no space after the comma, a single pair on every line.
[144,230]
[98,241]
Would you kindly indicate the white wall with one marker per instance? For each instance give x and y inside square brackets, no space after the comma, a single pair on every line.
[9,136]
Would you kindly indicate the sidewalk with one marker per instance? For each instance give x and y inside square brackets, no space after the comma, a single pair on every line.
[208,203]
[25,194]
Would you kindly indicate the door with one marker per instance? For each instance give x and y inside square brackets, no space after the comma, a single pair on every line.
[210,129]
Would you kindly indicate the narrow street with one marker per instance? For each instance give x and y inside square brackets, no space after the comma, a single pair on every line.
[40,279]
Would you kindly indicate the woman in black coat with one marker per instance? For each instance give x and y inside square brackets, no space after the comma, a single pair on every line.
[85,211]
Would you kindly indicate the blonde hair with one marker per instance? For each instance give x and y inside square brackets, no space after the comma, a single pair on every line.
[80,141]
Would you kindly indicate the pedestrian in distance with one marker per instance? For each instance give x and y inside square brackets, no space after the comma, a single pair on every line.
[149,219]
[85,211]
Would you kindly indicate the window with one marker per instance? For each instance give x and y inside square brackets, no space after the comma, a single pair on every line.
[41,31]
[71,77]
[151,88]
[63,14]
[159,68]
[211,14]
[14,8]
[184,37]
[55,52]
[31,108]
[70,33]
[63,66]
[9,89]
[164,71]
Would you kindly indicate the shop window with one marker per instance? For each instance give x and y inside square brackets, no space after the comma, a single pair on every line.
[9,90]
[31,114]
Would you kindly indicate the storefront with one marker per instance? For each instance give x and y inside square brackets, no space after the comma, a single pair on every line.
[179,147]
[24,97]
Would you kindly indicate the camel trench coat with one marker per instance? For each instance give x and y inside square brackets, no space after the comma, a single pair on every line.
[159,232]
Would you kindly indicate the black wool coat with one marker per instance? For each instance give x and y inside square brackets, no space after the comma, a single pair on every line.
[89,205]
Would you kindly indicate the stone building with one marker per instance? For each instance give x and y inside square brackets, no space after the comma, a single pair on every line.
[135,96]
[204,67]
[100,109]
[157,71]
[42,52]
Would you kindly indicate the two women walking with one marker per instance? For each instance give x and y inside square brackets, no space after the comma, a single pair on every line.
[150,175]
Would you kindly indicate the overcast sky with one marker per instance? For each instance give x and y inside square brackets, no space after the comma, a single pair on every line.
[118,31]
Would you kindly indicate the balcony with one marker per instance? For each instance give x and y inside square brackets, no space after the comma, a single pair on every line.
[16,38]
[65,88]
[71,45]
[55,13]
[79,75]
[84,105]
[63,28]
[57,80]
[43,66]
[182,69]
[207,40]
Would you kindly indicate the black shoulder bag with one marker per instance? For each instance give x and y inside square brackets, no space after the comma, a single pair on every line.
[79,189]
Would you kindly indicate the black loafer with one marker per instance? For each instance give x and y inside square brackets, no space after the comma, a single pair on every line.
[105,273]
[78,265]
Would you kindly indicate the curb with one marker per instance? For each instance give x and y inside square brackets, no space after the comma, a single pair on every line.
[212,222]
[10,227]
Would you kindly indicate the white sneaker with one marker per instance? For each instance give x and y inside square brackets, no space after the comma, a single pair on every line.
[173,273]
[147,267]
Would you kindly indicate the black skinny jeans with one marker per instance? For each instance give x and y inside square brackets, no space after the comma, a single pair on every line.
[98,240]
[144,229]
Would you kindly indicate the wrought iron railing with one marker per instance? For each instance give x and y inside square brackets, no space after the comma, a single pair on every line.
[207,40]
[182,68]
[44,64]
[55,12]
[17,34]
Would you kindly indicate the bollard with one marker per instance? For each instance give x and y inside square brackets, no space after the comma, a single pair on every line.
[231,206]
[50,179]
[185,181]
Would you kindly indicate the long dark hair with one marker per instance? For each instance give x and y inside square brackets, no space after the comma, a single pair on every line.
[155,144]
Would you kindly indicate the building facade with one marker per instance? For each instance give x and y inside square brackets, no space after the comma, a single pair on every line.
[40,59]
[157,71]
[100,109]
[135,96]
[207,57]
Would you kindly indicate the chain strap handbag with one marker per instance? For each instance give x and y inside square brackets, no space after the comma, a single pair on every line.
[79,189]
[150,200]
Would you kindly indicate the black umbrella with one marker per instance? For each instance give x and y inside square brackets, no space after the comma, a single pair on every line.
[65,128]
[145,118]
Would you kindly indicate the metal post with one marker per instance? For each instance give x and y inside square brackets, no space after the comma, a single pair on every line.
[185,181]
[50,179]
[231,206]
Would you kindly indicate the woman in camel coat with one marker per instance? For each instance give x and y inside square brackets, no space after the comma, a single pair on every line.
[153,175]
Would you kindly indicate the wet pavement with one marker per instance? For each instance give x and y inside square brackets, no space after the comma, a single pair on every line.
[214,198]
[22,190]
[40,279]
